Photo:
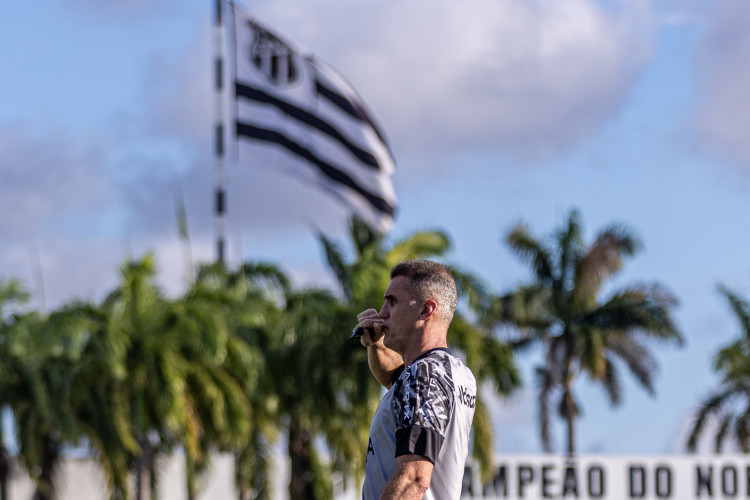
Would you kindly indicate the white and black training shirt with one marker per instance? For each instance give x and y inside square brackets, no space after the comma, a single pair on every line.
[428,411]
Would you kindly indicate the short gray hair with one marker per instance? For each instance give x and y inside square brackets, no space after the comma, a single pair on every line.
[430,280]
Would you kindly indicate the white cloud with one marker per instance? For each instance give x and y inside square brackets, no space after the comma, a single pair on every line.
[178,95]
[723,64]
[59,269]
[512,74]
[509,75]
[84,211]
[83,206]
[48,179]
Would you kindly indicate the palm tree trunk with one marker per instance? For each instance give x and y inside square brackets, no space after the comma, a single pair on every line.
[251,473]
[192,475]
[142,482]
[243,493]
[570,413]
[570,409]
[45,488]
[4,463]
[143,469]
[241,481]
[4,472]
[301,480]
[570,418]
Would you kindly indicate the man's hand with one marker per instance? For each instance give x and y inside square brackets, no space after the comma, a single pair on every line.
[373,325]
[383,362]
[410,480]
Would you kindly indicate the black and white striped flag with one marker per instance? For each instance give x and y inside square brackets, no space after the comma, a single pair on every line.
[289,99]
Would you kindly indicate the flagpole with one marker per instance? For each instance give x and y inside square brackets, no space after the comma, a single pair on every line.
[220,179]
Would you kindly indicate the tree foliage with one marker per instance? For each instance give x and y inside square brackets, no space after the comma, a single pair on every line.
[580,329]
[729,404]
[242,357]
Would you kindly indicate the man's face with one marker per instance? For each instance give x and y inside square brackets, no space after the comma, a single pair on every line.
[400,313]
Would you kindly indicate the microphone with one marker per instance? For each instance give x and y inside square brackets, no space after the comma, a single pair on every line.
[360,330]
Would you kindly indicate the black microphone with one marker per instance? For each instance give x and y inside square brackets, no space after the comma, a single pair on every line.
[360,330]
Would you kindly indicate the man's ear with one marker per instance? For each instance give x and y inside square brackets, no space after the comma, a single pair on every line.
[429,308]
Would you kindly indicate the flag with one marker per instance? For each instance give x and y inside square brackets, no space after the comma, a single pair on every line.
[290,100]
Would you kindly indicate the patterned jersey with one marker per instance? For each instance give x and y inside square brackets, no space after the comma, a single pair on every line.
[428,411]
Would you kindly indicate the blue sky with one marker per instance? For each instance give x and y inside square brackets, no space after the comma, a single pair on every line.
[498,111]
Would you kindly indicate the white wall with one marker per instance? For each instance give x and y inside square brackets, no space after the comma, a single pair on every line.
[81,479]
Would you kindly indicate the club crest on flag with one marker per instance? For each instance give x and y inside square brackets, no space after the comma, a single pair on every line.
[292,104]
[273,58]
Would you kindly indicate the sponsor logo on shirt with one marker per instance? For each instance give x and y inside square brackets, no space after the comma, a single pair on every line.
[465,397]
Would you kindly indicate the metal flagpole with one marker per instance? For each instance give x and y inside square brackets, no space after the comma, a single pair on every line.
[219,133]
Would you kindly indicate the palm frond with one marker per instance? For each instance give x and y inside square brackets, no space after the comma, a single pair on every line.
[337,263]
[642,309]
[362,236]
[531,251]
[742,434]
[732,361]
[601,261]
[708,408]
[499,366]
[636,357]
[740,307]
[570,247]
[265,276]
[419,245]
[612,383]
[473,288]
[12,295]
[721,433]
[483,441]
[526,308]
[488,358]
[590,350]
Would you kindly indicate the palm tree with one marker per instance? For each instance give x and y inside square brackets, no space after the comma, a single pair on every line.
[290,332]
[46,355]
[730,402]
[248,299]
[159,373]
[12,296]
[217,365]
[100,403]
[151,384]
[363,280]
[174,387]
[313,400]
[59,376]
[40,356]
[580,331]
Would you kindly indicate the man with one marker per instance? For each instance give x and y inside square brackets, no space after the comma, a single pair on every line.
[419,436]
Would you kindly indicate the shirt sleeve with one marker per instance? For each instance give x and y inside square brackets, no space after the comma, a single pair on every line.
[423,406]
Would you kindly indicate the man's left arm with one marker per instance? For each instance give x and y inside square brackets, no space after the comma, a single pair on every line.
[410,480]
